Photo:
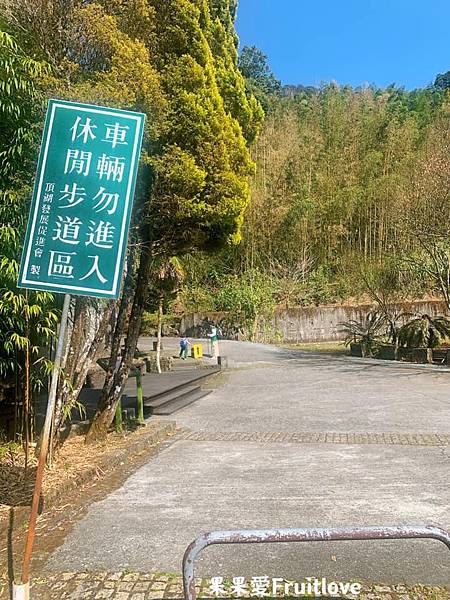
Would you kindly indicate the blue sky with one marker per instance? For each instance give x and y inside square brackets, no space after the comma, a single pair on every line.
[406,42]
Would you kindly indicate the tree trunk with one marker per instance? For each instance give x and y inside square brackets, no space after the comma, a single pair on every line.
[159,336]
[89,330]
[254,331]
[106,407]
[124,302]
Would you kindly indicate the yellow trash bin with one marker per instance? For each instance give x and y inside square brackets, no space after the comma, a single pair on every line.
[197,351]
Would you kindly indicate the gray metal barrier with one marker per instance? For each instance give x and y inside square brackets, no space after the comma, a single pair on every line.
[300,535]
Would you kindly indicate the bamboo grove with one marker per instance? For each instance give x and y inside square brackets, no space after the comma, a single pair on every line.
[347,181]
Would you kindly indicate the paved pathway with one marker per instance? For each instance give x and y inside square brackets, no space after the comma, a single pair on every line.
[288,440]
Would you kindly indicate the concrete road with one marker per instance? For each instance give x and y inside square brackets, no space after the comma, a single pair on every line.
[289,439]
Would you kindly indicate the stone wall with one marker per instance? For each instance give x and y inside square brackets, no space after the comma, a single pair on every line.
[300,324]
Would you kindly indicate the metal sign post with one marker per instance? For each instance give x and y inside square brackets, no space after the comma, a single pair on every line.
[78,228]
[45,440]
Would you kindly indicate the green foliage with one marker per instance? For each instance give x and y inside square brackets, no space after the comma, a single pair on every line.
[198,298]
[8,448]
[424,332]
[347,177]
[27,319]
[248,299]
[429,265]
[320,289]
[261,82]
[442,81]
[368,332]
[201,174]
[239,100]
[28,323]
[19,75]
[70,407]
[161,57]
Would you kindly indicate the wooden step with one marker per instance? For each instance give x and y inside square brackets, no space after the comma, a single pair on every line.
[180,402]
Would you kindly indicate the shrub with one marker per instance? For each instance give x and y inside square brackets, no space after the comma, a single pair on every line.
[249,298]
[197,298]
[369,332]
[424,332]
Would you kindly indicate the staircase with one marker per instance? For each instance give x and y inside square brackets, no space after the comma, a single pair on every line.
[170,402]
[166,393]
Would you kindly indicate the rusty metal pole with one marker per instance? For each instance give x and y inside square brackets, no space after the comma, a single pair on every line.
[22,591]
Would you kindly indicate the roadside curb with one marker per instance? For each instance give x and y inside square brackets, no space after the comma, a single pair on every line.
[158,432]
[155,432]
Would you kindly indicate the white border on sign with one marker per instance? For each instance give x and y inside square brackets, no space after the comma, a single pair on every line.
[121,115]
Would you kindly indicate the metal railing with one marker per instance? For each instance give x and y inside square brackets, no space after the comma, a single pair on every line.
[299,535]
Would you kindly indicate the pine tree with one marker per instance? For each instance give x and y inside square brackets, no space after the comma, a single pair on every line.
[239,102]
[202,171]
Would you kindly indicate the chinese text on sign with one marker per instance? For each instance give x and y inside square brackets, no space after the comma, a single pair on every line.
[79,217]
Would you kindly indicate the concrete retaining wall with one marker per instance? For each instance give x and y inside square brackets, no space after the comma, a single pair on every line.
[300,324]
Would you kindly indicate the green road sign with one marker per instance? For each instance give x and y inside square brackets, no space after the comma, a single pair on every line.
[80,213]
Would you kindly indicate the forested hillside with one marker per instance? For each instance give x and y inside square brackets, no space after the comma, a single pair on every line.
[350,196]
[250,194]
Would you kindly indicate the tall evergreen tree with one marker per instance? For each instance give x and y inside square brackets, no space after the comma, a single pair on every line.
[261,81]
[200,161]
[239,101]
